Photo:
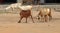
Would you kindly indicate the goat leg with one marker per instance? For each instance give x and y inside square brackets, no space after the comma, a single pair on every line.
[20,20]
[26,19]
[45,17]
[32,18]
[38,17]
[50,16]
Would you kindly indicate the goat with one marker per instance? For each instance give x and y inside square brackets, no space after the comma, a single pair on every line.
[25,13]
[44,12]
[13,6]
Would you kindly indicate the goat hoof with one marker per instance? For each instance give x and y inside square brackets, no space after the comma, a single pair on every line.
[33,22]
[18,22]
[25,22]
[46,21]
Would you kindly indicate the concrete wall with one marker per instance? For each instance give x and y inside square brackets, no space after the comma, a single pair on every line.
[19,1]
[42,1]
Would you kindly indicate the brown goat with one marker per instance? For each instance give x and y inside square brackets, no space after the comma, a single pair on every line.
[44,12]
[25,14]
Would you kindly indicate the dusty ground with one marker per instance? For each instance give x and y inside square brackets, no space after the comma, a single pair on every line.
[8,24]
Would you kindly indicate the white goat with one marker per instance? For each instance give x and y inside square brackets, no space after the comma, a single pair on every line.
[25,7]
[13,6]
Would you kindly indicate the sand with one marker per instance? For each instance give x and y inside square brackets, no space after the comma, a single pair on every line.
[8,24]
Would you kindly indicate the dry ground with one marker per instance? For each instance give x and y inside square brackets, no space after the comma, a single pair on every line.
[8,24]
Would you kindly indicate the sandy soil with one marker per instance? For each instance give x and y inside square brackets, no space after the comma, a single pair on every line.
[8,24]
